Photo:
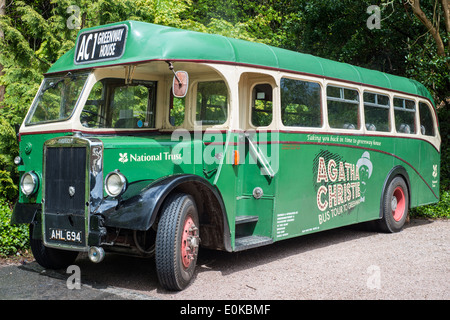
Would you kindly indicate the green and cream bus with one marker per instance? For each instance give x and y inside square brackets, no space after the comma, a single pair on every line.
[150,140]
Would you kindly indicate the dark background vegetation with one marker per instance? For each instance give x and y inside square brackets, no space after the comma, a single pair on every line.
[412,41]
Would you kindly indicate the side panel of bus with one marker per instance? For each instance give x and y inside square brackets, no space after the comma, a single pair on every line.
[331,180]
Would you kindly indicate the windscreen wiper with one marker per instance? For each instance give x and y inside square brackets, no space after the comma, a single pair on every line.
[53,85]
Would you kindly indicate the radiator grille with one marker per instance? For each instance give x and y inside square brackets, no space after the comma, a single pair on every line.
[65,168]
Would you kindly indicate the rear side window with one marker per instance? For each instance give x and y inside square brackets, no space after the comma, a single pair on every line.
[405,113]
[343,106]
[376,112]
[426,120]
[300,103]
[212,103]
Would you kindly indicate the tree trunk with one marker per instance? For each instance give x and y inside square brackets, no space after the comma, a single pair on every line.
[446,10]
[415,5]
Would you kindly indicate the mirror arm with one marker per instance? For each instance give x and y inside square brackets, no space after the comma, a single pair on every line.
[174,73]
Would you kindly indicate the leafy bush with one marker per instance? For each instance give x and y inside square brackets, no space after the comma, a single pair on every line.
[9,176]
[12,237]
[438,210]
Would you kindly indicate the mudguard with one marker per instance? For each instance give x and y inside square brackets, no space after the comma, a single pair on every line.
[25,212]
[140,211]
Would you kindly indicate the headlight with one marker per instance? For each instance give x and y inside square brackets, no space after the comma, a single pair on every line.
[115,183]
[29,183]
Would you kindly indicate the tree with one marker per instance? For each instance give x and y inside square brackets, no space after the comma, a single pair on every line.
[34,34]
[2,13]
[428,59]
[432,26]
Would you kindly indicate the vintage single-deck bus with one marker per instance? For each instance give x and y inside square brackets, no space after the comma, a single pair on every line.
[150,140]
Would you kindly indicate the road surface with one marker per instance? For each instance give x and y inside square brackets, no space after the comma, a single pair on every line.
[345,263]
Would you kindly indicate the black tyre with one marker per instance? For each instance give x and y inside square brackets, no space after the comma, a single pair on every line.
[50,258]
[395,206]
[177,242]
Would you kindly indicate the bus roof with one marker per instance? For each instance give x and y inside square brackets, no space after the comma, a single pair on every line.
[147,42]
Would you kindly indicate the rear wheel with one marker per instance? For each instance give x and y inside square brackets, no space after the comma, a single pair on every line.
[50,258]
[177,242]
[395,206]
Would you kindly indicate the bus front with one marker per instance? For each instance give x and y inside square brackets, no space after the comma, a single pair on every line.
[108,146]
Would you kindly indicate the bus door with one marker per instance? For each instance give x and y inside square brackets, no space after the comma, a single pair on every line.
[258,159]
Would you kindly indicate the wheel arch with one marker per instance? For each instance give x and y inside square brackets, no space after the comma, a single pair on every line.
[142,211]
[396,171]
[214,229]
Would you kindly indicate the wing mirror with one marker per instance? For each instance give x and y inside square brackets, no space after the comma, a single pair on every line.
[180,84]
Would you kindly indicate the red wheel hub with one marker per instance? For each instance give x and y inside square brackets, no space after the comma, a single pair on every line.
[398,204]
[189,242]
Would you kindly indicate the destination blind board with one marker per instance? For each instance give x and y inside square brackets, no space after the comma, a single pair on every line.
[101,44]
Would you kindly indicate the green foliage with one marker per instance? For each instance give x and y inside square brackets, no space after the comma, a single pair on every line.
[12,238]
[9,176]
[426,66]
[439,210]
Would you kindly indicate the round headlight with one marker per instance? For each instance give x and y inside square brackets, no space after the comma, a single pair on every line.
[115,183]
[29,183]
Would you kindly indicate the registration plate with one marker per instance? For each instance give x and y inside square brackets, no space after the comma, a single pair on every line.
[66,235]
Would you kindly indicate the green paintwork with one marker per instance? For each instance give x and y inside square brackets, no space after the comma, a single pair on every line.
[146,42]
[288,207]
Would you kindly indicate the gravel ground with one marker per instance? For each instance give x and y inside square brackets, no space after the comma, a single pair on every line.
[344,263]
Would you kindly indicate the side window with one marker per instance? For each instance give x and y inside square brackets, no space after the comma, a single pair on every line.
[343,106]
[113,104]
[376,112]
[212,102]
[405,111]
[262,105]
[426,120]
[176,110]
[300,103]
[130,107]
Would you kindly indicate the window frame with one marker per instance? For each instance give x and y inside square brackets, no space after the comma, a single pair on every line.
[433,119]
[114,82]
[277,105]
[394,108]
[376,105]
[251,100]
[192,101]
[76,106]
[360,107]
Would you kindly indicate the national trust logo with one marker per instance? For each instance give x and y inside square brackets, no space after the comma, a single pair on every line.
[123,157]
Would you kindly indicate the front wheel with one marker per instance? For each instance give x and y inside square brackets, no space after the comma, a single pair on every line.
[395,206]
[177,242]
[50,258]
